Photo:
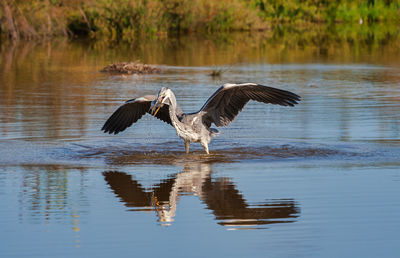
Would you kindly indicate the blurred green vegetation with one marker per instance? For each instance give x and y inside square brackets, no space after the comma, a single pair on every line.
[329,11]
[125,20]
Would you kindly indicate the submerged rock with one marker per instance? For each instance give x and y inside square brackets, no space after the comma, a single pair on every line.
[130,68]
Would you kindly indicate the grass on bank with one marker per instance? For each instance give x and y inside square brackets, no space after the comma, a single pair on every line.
[116,20]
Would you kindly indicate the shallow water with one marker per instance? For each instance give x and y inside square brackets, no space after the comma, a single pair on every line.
[317,180]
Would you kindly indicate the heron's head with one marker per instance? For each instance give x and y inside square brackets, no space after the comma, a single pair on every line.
[164,95]
[163,98]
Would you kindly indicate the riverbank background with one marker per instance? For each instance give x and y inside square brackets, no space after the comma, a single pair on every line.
[126,20]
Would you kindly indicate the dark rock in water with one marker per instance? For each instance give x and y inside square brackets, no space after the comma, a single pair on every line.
[130,68]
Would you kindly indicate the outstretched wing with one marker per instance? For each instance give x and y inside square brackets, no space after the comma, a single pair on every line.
[226,103]
[131,111]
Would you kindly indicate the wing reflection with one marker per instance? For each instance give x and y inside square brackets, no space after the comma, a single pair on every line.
[219,194]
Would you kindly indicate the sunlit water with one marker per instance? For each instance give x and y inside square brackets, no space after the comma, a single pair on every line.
[317,180]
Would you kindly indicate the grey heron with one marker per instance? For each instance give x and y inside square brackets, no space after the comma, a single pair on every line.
[220,109]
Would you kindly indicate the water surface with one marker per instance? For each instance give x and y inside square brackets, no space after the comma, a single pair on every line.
[317,180]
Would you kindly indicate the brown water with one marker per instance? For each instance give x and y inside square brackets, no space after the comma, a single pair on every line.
[317,180]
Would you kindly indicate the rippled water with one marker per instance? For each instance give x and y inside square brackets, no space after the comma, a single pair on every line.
[317,180]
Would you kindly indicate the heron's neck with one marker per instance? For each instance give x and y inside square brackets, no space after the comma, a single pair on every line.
[172,111]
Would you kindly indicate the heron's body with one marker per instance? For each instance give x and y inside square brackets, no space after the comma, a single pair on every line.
[191,129]
[220,109]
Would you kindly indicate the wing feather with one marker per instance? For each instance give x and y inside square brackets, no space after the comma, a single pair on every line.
[226,103]
[131,111]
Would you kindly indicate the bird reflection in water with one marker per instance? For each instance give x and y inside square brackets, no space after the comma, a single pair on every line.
[219,194]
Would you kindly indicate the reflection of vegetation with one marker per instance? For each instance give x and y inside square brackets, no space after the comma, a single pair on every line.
[46,193]
[127,19]
[340,42]
[281,44]
[339,35]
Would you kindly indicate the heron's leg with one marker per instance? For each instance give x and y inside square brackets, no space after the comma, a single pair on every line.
[205,145]
[187,144]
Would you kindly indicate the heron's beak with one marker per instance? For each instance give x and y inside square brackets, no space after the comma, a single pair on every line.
[155,113]
[157,106]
